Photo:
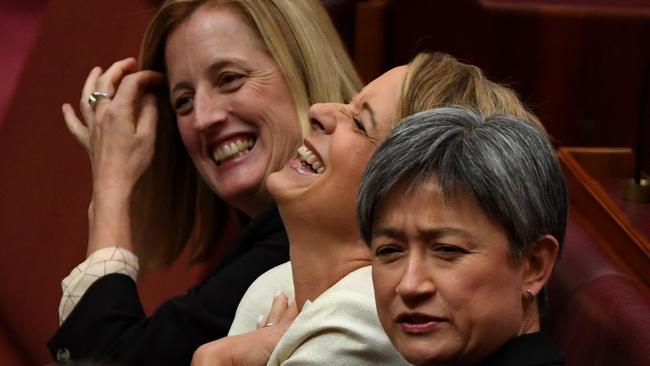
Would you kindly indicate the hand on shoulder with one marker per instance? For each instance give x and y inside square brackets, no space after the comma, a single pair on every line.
[252,348]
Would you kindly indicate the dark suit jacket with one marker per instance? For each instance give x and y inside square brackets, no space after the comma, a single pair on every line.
[526,350]
[109,323]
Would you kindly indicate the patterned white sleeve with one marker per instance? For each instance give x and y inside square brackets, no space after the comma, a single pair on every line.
[99,263]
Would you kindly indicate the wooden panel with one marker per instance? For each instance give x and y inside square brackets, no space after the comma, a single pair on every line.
[369,39]
[580,71]
[596,210]
[619,8]
[604,162]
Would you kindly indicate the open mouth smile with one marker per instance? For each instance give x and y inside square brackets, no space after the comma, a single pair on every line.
[310,160]
[232,149]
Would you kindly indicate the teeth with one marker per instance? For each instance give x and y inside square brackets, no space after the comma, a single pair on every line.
[309,159]
[233,149]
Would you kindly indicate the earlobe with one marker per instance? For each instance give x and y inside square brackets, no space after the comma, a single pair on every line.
[539,264]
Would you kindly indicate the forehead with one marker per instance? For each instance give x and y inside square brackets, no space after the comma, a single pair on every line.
[219,21]
[211,30]
[385,86]
[428,196]
[382,96]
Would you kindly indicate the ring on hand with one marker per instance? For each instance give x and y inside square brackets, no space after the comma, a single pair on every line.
[267,325]
[96,96]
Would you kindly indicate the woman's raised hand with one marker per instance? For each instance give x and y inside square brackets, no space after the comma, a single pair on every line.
[118,132]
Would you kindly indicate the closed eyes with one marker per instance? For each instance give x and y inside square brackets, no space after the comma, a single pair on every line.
[359,123]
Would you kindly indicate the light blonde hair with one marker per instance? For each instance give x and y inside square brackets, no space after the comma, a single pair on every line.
[436,79]
[172,206]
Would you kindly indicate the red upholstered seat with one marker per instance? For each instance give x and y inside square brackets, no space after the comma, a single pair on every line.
[597,314]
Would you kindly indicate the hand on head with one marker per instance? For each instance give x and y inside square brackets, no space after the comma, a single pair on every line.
[118,131]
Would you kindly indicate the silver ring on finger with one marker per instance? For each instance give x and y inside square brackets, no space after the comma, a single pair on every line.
[267,325]
[96,96]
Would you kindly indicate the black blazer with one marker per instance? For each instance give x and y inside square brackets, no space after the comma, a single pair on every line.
[526,350]
[109,324]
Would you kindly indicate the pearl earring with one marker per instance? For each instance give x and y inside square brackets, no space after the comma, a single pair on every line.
[529,296]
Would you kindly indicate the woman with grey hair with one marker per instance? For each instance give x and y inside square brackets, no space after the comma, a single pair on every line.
[465,217]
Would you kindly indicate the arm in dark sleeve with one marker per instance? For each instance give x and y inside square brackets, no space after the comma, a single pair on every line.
[108,323]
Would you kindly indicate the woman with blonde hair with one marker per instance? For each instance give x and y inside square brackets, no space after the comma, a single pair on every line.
[316,194]
[219,103]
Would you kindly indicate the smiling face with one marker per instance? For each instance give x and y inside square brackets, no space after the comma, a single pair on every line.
[323,178]
[234,109]
[446,289]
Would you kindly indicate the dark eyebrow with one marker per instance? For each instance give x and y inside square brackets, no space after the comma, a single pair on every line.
[367,107]
[429,234]
[389,232]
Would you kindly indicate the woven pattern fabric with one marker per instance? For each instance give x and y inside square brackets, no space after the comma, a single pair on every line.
[99,263]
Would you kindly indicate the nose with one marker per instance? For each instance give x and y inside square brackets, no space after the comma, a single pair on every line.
[209,109]
[322,117]
[416,284]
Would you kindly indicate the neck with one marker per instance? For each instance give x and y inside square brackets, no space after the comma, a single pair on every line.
[320,255]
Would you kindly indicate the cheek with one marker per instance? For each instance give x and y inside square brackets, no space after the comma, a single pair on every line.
[189,137]
[485,300]
[352,156]
[272,99]
[282,140]
[277,119]
[286,129]
[384,281]
[287,124]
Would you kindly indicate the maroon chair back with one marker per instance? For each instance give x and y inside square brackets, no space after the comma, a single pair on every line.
[597,315]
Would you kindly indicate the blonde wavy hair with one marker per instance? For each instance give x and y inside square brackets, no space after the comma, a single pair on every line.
[437,79]
[172,206]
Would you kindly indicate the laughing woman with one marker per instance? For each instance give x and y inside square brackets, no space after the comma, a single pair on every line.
[175,147]
[316,194]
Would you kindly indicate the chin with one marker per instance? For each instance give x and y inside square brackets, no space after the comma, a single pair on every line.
[288,186]
[418,355]
[237,189]
[423,351]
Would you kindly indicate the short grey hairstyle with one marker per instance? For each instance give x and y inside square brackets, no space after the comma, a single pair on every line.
[505,163]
